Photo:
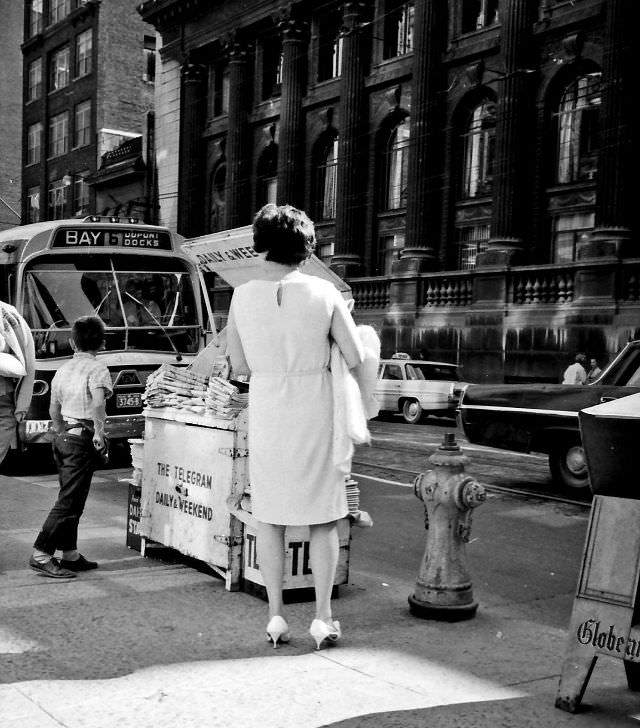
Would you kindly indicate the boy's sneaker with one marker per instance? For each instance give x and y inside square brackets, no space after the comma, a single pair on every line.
[80,564]
[51,568]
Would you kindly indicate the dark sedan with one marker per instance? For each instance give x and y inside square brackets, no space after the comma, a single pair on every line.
[544,417]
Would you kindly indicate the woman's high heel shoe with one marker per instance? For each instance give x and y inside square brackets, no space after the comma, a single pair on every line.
[277,631]
[320,631]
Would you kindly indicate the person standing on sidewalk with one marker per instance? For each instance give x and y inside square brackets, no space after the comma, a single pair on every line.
[79,391]
[17,372]
[280,331]
[594,370]
[576,373]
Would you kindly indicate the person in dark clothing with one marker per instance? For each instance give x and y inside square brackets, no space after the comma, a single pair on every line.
[79,391]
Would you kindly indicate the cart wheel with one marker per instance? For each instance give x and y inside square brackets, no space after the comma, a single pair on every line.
[412,411]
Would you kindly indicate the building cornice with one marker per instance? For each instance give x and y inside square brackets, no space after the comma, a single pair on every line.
[165,13]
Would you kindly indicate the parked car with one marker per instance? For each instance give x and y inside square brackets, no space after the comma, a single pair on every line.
[544,417]
[414,387]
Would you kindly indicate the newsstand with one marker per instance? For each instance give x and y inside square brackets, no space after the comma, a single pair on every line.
[196,499]
[194,465]
[196,493]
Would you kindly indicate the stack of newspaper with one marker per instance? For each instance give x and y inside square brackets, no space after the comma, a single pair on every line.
[171,386]
[353,495]
[225,399]
[358,517]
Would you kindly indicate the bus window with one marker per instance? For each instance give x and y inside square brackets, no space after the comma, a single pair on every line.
[141,310]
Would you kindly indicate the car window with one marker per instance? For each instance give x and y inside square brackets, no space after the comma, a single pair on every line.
[392,371]
[415,372]
[626,373]
[634,379]
[439,372]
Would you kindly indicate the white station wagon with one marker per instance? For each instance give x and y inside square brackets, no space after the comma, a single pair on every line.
[414,387]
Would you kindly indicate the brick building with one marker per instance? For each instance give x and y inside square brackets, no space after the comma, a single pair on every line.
[11,115]
[88,90]
[467,163]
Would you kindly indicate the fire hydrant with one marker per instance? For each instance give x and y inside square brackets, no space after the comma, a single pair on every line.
[443,588]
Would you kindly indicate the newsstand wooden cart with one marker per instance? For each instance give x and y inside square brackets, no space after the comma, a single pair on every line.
[195,499]
[193,465]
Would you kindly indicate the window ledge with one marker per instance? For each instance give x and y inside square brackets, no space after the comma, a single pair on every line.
[579,185]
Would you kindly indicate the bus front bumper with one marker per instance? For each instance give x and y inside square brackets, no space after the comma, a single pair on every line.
[117,427]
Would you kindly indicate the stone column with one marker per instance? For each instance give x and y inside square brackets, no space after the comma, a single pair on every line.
[614,198]
[424,198]
[291,139]
[352,149]
[191,168]
[510,182]
[237,187]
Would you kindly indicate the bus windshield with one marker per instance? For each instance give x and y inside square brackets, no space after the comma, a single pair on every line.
[151,307]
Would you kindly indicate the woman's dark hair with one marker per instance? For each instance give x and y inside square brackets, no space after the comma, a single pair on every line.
[285,233]
[88,333]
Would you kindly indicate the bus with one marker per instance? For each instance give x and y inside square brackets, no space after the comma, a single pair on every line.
[134,276]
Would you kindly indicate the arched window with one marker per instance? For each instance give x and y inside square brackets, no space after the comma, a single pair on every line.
[578,114]
[217,197]
[326,173]
[267,175]
[479,151]
[395,166]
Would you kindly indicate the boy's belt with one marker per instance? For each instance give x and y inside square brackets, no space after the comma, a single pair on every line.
[75,428]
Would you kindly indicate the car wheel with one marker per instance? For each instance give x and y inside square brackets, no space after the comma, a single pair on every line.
[411,411]
[569,467]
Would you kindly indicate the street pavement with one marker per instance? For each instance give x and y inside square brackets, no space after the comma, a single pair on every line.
[158,641]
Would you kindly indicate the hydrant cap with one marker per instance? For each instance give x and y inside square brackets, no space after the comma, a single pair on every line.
[449,442]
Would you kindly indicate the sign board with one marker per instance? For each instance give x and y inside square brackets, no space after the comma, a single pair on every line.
[189,473]
[603,621]
[230,254]
[88,236]
[297,573]
[606,610]
[133,517]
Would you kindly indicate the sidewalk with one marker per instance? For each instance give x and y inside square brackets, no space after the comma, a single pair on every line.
[151,644]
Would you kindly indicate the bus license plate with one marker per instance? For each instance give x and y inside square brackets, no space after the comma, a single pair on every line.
[129,400]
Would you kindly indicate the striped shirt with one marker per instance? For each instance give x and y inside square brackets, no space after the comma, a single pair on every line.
[74,383]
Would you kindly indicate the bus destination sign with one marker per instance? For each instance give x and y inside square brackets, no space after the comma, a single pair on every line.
[99,237]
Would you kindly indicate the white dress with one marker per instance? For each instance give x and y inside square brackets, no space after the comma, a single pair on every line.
[280,330]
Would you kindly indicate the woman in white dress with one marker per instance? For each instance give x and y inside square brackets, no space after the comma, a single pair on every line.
[280,330]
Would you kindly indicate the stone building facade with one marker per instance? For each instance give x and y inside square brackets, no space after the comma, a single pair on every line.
[11,115]
[467,163]
[88,69]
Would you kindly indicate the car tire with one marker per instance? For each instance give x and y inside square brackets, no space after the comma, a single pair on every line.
[412,411]
[568,466]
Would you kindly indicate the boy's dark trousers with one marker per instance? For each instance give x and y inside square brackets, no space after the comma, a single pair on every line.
[75,458]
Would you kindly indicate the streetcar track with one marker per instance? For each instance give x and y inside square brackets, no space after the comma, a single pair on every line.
[489,486]
[425,447]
